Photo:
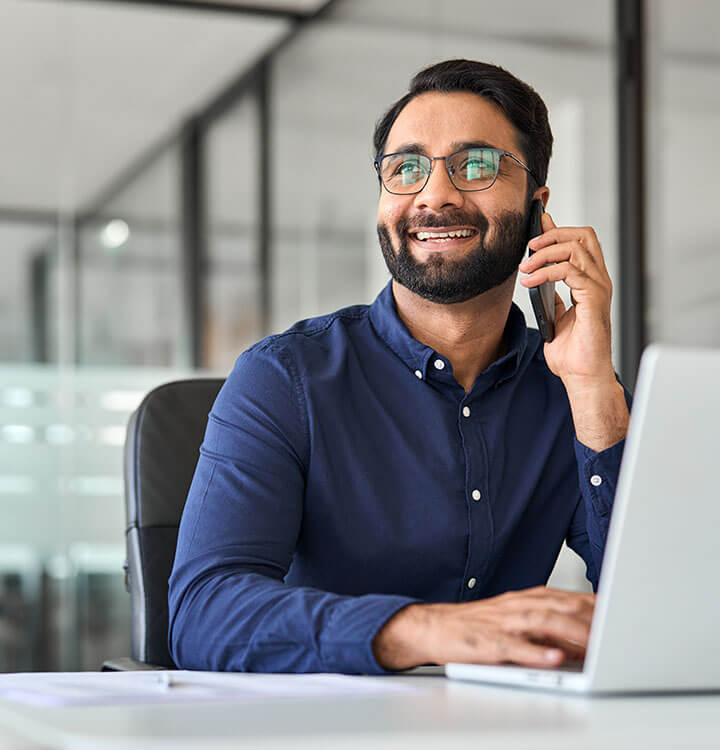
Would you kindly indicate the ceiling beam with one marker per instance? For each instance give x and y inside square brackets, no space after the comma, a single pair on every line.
[247,9]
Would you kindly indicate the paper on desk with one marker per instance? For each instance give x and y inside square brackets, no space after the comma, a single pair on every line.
[122,688]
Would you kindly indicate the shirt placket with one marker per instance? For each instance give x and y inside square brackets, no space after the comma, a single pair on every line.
[480,522]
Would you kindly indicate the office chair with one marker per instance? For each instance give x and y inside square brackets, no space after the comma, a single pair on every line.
[161,451]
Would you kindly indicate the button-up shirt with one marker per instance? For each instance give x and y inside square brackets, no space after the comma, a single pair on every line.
[345,474]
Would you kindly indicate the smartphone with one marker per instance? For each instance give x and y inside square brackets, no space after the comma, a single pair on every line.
[542,298]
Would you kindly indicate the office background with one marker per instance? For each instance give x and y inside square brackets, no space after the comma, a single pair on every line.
[179,179]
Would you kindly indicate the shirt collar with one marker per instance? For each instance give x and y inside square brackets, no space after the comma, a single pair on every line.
[388,325]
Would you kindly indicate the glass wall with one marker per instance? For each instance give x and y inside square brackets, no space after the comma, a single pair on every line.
[683,262]
[232,282]
[94,296]
[129,289]
[93,306]
[325,250]
[29,253]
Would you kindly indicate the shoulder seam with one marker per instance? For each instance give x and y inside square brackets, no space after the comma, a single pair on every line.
[301,404]
[276,337]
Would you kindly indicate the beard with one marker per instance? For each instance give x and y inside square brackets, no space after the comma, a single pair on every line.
[447,280]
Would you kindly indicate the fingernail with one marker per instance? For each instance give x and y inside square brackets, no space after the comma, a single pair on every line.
[553,654]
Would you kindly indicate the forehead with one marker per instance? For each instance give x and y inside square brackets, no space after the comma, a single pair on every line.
[436,120]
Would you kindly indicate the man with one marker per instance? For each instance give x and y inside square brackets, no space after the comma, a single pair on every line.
[372,482]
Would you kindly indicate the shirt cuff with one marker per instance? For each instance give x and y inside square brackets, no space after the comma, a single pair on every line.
[346,644]
[598,474]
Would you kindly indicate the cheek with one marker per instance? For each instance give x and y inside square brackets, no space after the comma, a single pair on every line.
[387,214]
[391,210]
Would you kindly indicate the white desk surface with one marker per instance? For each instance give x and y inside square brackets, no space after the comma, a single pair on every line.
[442,715]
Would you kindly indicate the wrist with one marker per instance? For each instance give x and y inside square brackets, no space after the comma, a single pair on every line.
[600,413]
[591,385]
[401,642]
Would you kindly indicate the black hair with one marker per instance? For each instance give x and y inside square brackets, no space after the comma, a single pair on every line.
[518,101]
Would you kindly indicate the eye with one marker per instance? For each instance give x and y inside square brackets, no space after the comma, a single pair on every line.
[477,167]
[407,167]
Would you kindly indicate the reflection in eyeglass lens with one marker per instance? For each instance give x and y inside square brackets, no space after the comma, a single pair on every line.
[471,169]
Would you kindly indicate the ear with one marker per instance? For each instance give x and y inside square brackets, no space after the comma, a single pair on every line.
[543,193]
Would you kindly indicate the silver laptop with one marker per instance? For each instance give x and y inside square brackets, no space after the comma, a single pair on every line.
[656,624]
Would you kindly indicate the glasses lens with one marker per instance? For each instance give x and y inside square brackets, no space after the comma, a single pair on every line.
[474,169]
[404,173]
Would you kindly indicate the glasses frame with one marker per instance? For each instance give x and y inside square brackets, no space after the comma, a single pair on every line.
[377,162]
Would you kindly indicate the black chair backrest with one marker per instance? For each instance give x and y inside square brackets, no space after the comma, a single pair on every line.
[163,439]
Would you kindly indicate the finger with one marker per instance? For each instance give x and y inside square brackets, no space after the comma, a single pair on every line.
[551,596]
[559,307]
[518,650]
[578,603]
[586,236]
[546,623]
[576,279]
[573,651]
[572,251]
[554,593]
[547,222]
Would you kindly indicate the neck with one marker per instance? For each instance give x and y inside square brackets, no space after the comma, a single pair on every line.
[468,334]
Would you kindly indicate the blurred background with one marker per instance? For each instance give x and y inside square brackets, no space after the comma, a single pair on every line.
[179,179]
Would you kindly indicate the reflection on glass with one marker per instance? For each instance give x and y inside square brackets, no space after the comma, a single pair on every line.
[683,264]
[232,290]
[129,272]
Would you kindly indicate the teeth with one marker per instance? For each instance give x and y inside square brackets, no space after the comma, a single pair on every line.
[444,235]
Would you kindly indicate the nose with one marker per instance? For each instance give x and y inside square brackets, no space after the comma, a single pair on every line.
[439,191]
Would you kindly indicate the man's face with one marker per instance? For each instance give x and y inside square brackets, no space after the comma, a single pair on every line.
[454,270]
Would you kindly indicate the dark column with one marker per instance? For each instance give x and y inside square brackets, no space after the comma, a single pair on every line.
[631,182]
[264,194]
[193,242]
[39,309]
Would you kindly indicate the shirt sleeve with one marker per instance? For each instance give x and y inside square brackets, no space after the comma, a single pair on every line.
[598,474]
[229,606]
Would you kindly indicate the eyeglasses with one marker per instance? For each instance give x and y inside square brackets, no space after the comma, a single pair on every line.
[469,170]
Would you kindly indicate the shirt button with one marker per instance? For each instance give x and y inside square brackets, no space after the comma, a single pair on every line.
[439,364]
[471,583]
[595,480]
[476,495]
[419,374]
[466,411]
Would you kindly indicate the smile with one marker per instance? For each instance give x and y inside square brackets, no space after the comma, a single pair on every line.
[436,237]
[444,235]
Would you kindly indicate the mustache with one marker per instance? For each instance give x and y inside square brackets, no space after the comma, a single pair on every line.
[450,218]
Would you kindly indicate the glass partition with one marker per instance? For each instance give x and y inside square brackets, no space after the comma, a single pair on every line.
[232,281]
[129,272]
[683,161]
[94,306]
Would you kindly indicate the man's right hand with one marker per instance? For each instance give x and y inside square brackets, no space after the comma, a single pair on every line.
[538,627]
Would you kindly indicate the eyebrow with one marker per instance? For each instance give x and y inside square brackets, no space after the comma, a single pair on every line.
[419,148]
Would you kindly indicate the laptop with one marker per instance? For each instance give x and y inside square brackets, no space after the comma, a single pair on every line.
[656,624]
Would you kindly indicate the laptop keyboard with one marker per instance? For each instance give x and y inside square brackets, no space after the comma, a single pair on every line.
[569,666]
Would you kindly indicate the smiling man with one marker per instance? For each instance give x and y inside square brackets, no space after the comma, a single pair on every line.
[390,485]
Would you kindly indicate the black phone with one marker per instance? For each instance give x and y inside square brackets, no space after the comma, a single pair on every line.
[542,298]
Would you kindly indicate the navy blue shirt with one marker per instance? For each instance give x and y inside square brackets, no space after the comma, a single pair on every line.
[345,474]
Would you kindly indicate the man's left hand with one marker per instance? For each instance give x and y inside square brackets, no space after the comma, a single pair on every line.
[581,351]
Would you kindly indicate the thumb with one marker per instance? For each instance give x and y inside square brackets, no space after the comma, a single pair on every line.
[547,222]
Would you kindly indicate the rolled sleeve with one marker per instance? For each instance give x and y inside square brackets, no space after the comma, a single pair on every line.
[598,475]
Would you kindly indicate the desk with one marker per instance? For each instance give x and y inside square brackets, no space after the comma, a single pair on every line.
[442,715]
